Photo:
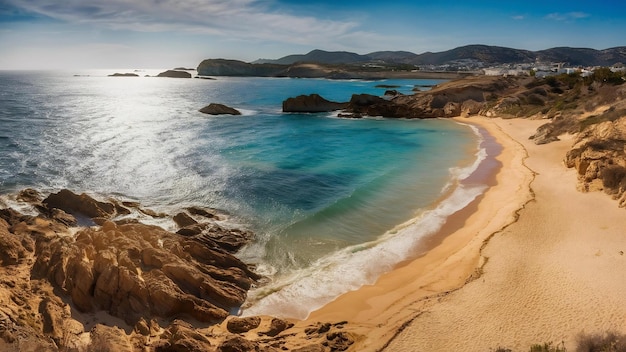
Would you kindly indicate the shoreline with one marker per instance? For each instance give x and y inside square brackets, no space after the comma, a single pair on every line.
[382,310]
[533,261]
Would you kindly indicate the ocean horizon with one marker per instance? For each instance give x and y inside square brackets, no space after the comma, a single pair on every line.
[334,202]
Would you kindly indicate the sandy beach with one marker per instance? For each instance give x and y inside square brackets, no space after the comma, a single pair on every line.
[531,261]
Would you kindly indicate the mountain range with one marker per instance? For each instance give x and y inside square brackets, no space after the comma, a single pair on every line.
[491,55]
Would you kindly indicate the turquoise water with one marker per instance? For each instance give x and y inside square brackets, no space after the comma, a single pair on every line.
[334,202]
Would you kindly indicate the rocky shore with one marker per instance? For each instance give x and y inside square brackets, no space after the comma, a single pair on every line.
[116,284]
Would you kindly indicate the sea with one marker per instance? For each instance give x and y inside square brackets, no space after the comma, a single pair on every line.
[333,202]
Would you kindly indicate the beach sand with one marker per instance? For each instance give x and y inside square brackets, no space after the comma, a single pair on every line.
[531,261]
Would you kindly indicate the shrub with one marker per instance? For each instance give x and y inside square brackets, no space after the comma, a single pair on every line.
[609,342]
[548,347]
[535,99]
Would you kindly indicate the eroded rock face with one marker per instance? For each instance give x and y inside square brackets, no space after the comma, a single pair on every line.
[137,270]
[599,157]
[219,109]
[311,104]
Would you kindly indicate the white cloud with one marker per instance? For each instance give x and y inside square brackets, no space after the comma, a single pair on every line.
[569,16]
[519,17]
[243,19]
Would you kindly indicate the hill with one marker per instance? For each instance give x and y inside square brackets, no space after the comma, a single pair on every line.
[486,54]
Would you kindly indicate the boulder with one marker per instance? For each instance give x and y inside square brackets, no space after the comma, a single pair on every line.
[371,105]
[219,109]
[174,74]
[238,344]
[184,220]
[277,326]
[83,204]
[243,325]
[312,103]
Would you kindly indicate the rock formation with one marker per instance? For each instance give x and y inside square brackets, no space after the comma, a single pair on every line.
[175,74]
[117,74]
[219,109]
[599,158]
[61,285]
[311,104]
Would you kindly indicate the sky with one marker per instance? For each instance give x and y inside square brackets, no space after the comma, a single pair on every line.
[68,34]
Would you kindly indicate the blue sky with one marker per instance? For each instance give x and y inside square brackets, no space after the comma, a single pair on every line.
[51,34]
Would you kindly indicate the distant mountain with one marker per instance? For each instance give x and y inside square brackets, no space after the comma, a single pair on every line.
[584,56]
[483,53]
[403,57]
[487,54]
[319,56]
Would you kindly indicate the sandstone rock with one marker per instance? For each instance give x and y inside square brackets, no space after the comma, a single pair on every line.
[174,74]
[184,220]
[471,107]
[137,270]
[599,157]
[13,248]
[181,336]
[204,212]
[30,195]
[237,344]
[219,109]
[81,204]
[277,326]
[452,109]
[311,104]
[242,325]
[107,338]
[340,341]
[544,134]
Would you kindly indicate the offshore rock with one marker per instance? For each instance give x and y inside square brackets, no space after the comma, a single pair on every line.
[371,105]
[219,109]
[83,204]
[174,74]
[311,104]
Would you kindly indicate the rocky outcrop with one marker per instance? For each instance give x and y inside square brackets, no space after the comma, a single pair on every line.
[117,74]
[599,158]
[136,270]
[175,74]
[311,104]
[219,109]
[81,204]
[157,281]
